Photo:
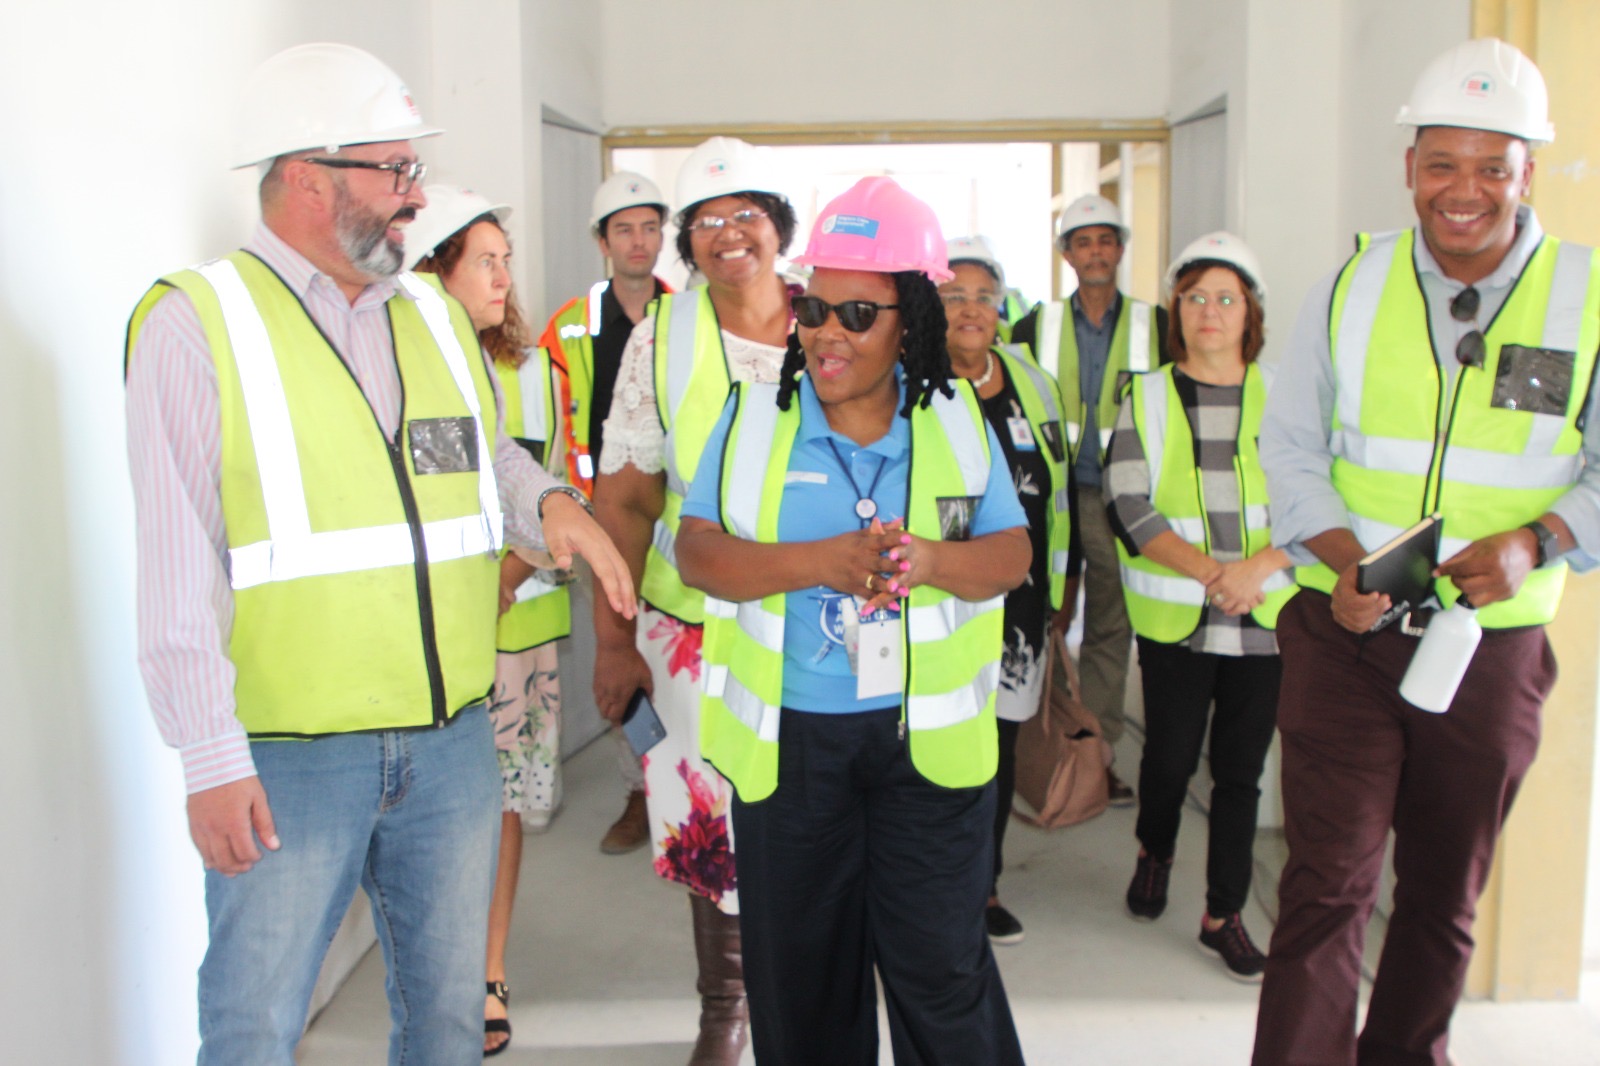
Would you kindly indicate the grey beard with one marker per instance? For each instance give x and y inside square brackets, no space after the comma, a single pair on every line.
[364,238]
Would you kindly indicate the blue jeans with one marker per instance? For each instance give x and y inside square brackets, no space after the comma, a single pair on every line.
[415,818]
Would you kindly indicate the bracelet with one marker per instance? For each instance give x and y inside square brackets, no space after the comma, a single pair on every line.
[567,490]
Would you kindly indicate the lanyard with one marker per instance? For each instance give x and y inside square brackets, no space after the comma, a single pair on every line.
[866,507]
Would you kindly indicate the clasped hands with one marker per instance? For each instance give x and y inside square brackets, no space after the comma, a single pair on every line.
[882,563]
[1235,587]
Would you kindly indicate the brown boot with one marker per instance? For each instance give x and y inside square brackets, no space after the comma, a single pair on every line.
[724,1015]
[631,831]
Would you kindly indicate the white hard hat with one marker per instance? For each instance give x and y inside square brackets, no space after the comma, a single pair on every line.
[450,207]
[1220,247]
[323,96]
[976,249]
[620,191]
[1483,84]
[1089,211]
[724,166]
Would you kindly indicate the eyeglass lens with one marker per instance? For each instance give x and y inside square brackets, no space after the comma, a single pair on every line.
[1464,305]
[857,316]
[738,218]
[1470,349]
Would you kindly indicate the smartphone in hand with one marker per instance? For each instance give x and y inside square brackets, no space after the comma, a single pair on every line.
[641,725]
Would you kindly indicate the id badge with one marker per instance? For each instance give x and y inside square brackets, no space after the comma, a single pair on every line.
[880,673]
[1021,435]
[443,445]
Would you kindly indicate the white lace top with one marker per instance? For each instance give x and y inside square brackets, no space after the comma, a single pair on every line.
[633,428]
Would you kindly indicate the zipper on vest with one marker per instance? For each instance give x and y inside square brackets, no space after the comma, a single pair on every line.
[419,548]
[1444,444]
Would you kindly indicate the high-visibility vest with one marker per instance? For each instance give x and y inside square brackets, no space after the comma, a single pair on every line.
[950,646]
[1135,349]
[364,592]
[1403,449]
[692,379]
[1013,310]
[568,340]
[534,413]
[1164,605]
[1041,405]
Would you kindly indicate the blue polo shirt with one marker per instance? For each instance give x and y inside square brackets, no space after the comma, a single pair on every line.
[819,501]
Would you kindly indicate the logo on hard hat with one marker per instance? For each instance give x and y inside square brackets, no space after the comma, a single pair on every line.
[1478,84]
[716,168]
[851,226]
[633,186]
[405,94]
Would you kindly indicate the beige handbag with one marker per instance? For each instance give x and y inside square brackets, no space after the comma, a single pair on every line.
[1061,765]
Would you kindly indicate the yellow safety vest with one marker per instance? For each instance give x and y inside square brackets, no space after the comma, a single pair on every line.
[1164,605]
[364,592]
[543,611]
[1042,407]
[951,647]
[568,342]
[1135,349]
[692,381]
[1403,448]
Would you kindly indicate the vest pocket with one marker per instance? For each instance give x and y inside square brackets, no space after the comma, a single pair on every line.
[1536,380]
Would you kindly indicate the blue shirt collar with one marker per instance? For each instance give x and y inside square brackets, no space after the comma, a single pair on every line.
[814,422]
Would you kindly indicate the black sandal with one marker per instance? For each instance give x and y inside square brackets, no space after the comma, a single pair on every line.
[501,991]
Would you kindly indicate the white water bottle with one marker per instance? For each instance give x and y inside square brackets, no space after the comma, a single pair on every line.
[1441,658]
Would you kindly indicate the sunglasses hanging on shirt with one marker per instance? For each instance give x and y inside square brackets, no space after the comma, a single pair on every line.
[1470,349]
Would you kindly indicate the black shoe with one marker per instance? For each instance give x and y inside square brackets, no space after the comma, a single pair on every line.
[1147,892]
[1232,944]
[1002,925]
[500,991]
[1118,793]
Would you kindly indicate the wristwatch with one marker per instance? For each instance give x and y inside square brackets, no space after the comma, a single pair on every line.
[1549,547]
[565,490]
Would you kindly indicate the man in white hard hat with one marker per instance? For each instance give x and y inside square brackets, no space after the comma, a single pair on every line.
[1443,369]
[319,473]
[585,338]
[1091,342]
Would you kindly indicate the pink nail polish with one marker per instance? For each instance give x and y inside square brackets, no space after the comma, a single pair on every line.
[905,538]
[904,567]
[894,605]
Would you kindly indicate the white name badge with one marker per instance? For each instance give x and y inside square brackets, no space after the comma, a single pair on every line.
[880,673]
[1021,434]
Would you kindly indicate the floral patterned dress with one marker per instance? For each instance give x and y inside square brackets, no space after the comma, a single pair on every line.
[690,830]
[525,707]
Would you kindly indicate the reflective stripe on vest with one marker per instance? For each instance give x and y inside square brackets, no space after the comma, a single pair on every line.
[692,381]
[1041,405]
[1164,605]
[292,549]
[1133,343]
[542,610]
[952,646]
[1395,432]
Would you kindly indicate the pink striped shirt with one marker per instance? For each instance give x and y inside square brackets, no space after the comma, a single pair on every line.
[185,604]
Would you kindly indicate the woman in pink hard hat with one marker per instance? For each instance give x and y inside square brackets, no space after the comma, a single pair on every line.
[855,529]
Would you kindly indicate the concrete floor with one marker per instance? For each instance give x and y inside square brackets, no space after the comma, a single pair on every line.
[602,967]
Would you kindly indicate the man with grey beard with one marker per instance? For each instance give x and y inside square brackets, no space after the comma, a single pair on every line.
[323,484]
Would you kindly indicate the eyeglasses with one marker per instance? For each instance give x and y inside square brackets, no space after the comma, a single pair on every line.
[1470,349]
[857,316]
[743,219]
[961,299]
[406,175]
[1198,300]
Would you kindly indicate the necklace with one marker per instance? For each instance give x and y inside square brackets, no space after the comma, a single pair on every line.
[988,371]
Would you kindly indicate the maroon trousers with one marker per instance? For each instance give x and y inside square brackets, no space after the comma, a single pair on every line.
[1358,760]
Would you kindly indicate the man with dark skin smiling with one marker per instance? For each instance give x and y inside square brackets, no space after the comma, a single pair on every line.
[1444,369]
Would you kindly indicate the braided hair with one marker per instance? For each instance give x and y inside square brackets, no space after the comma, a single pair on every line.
[923,353]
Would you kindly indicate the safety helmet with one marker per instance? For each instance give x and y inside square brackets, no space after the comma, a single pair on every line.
[1219,247]
[976,249]
[620,191]
[724,166]
[1089,211]
[1483,84]
[450,207]
[876,225]
[323,96]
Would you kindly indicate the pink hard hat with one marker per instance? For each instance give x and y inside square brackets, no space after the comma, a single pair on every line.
[876,225]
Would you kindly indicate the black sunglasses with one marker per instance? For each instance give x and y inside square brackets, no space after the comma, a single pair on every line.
[857,316]
[1470,349]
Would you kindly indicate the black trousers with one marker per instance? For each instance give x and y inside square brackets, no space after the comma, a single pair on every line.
[856,862]
[1179,688]
[1005,789]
